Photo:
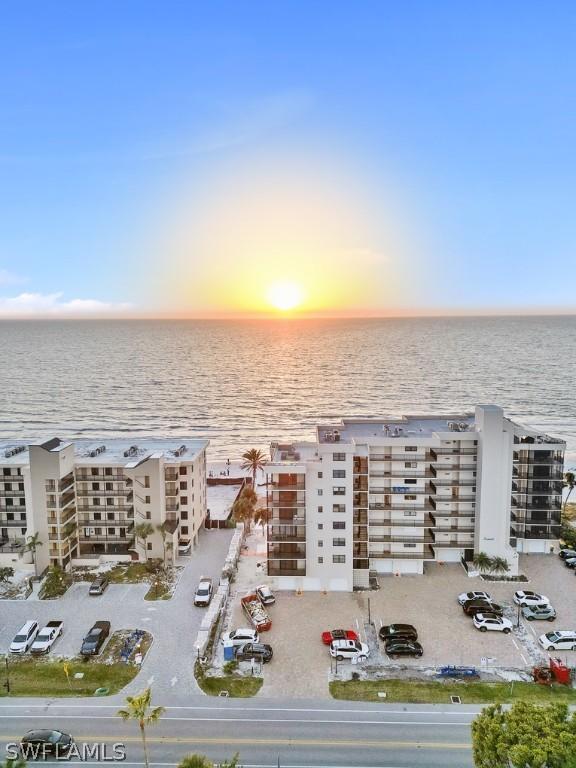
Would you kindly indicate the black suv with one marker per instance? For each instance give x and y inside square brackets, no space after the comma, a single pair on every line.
[94,640]
[259,651]
[39,744]
[472,607]
[393,631]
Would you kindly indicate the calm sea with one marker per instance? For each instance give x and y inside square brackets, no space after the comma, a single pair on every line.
[243,384]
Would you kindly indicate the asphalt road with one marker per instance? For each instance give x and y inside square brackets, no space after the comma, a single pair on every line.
[338,735]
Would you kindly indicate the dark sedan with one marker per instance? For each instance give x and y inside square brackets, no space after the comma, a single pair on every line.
[472,607]
[403,647]
[39,744]
[392,631]
[258,651]
[95,639]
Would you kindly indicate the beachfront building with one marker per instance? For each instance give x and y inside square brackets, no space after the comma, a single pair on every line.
[389,495]
[85,499]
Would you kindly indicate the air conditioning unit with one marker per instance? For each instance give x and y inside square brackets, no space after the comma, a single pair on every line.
[88,531]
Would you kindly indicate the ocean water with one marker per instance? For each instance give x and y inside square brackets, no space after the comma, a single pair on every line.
[245,383]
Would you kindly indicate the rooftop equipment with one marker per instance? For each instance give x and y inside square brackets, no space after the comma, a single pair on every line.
[98,451]
[132,451]
[14,451]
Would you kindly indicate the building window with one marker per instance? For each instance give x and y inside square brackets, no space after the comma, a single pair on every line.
[184,500]
[97,515]
[7,486]
[111,532]
[94,471]
[409,481]
[320,526]
[184,529]
[320,510]
[320,492]
[184,515]
[183,485]
[182,470]
[338,508]
[110,515]
[95,486]
[320,543]
[338,558]
[410,464]
[339,490]
[338,542]
[320,560]
[409,512]
[408,546]
[149,546]
[412,448]
[6,472]
[98,531]
[109,502]
[146,499]
[95,502]
[410,497]
[22,502]
[108,471]
[109,486]
[148,515]
[320,475]
[339,525]
[338,473]
[338,457]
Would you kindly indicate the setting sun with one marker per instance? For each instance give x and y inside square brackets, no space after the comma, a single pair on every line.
[284,295]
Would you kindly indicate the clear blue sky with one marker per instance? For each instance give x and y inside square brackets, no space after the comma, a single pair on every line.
[107,109]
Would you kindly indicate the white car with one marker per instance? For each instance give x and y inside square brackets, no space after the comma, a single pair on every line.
[349,649]
[24,638]
[465,596]
[184,546]
[561,640]
[265,595]
[240,636]
[203,594]
[530,598]
[489,621]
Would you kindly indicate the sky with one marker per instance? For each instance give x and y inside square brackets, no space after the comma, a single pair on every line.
[320,157]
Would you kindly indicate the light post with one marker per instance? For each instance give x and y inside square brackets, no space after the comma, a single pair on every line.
[7,683]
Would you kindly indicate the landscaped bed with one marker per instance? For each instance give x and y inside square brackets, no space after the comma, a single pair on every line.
[419,692]
[237,686]
[162,580]
[56,677]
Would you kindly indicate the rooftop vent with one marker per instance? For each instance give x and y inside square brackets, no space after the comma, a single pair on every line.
[132,451]
[98,451]
[180,451]
[14,451]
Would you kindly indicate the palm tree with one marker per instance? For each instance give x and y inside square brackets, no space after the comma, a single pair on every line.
[32,544]
[143,531]
[570,483]
[254,460]
[163,533]
[139,708]
[244,507]
[499,565]
[482,561]
[261,517]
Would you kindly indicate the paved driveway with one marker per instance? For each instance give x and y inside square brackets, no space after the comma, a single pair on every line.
[173,623]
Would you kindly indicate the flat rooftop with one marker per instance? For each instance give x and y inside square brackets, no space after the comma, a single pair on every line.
[362,430]
[292,453]
[175,449]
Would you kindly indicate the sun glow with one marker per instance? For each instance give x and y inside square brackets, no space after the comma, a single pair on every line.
[284,295]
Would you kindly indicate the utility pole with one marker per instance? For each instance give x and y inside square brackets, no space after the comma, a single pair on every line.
[7,683]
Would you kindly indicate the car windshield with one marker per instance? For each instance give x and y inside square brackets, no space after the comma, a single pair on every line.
[202,591]
[552,636]
[20,639]
[54,737]
[41,637]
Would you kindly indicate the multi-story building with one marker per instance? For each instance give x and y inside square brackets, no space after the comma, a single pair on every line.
[85,499]
[387,496]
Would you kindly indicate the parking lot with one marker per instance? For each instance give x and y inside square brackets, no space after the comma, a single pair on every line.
[301,664]
[172,623]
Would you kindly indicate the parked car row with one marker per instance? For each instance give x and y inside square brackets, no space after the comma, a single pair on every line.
[246,644]
[30,637]
[400,640]
[569,557]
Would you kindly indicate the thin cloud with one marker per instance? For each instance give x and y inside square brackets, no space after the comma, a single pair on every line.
[10,278]
[52,304]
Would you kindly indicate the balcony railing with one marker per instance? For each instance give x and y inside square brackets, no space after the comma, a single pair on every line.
[296,485]
[452,451]
[97,537]
[455,482]
[4,521]
[66,482]
[427,539]
[407,456]
[402,507]
[426,554]
[454,543]
[536,505]
[274,571]
[12,545]
[425,522]
[13,492]
[398,488]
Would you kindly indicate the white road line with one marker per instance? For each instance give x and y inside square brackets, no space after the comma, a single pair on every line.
[246,720]
[244,765]
[515,644]
[524,659]
[374,711]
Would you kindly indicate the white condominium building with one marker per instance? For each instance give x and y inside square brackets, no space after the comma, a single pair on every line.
[86,498]
[388,495]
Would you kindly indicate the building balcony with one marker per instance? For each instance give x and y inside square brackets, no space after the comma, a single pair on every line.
[287,498]
[426,554]
[171,475]
[453,482]
[360,517]
[536,532]
[405,456]
[293,535]
[468,528]
[94,550]
[67,498]
[360,483]
[552,505]
[84,476]
[407,539]
[102,537]
[426,506]
[452,451]
[8,546]
[398,488]
[425,521]
[274,570]
[289,485]
[360,465]
[454,543]
[398,473]
[6,522]
[91,521]
[66,482]
[535,473]
[16,492]
[539,487]
[286,551]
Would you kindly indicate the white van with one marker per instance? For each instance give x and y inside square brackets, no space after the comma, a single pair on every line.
[349,649]
[25,637]
[561,640]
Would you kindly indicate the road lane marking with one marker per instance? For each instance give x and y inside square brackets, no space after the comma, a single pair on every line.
[332,743]
[247,720]
[380,711]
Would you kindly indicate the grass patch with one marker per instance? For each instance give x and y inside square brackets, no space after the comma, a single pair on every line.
[421,692]
[132,573]
[37,677]
[238,687]
[55,584]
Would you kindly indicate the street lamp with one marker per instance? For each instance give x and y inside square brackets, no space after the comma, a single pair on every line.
[7,683]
